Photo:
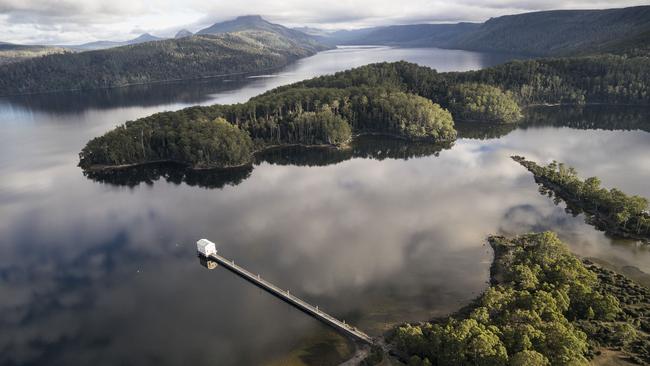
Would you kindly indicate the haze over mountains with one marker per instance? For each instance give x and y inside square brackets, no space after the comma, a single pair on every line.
[251,44]
[183,33]
[545,33]
[146,37]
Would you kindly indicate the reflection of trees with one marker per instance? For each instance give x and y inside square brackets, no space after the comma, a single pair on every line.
[590,117]
[173,173]
[189,92]
[370,147]
[527,218]
[483,131]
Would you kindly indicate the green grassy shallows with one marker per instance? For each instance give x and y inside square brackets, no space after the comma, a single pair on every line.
[544,307]
[612,210]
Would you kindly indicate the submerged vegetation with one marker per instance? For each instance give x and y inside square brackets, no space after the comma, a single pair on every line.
[610,210]
[544,307]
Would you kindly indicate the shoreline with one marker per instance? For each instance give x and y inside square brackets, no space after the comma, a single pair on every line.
[592,217]
[611,281]
[106,168]
[156,82]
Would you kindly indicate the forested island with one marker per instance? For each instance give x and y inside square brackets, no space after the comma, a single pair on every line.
[223,136]
[613,211]
[399,99]
[544,307]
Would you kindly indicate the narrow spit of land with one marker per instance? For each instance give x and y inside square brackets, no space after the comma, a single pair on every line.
[613,211]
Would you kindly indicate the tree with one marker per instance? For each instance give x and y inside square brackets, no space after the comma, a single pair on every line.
[528,358]
[482,102]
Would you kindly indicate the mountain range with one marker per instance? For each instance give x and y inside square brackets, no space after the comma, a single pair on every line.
[100,45]
[545,33]
[251,44]
[245,45]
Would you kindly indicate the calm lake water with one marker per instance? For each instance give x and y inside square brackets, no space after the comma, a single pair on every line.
[102,269]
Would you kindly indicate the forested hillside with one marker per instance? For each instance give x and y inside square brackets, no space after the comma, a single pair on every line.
[413,35]
[563,32]
[257,23]
[546,33]
[16,52]
[172,59]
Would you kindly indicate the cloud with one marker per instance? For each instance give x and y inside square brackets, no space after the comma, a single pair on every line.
[64,21]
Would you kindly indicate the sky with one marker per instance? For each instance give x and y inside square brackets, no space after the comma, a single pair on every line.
[78,21]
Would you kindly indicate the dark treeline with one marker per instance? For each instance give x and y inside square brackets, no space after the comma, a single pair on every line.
[594,117]
[367,147]
[544,307]
[190,92]
[582,117]
[172,59]
[610,210]
[595,79]
[172,173]
[484,131]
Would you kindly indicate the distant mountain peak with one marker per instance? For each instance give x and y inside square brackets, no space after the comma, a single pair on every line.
[255,23]
[250,17]
[183,33]
[145,37]
[244,22]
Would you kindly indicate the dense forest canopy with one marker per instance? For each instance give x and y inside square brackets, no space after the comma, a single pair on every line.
[311,116]
[594,79]
[544,307]
[400,99]
[481,102]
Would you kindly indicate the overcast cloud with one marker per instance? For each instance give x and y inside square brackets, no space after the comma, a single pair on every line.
[77,21]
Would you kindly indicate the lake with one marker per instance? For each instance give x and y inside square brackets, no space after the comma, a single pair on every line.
[102,269]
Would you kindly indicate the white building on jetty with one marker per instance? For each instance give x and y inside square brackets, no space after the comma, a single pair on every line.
[206,247]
